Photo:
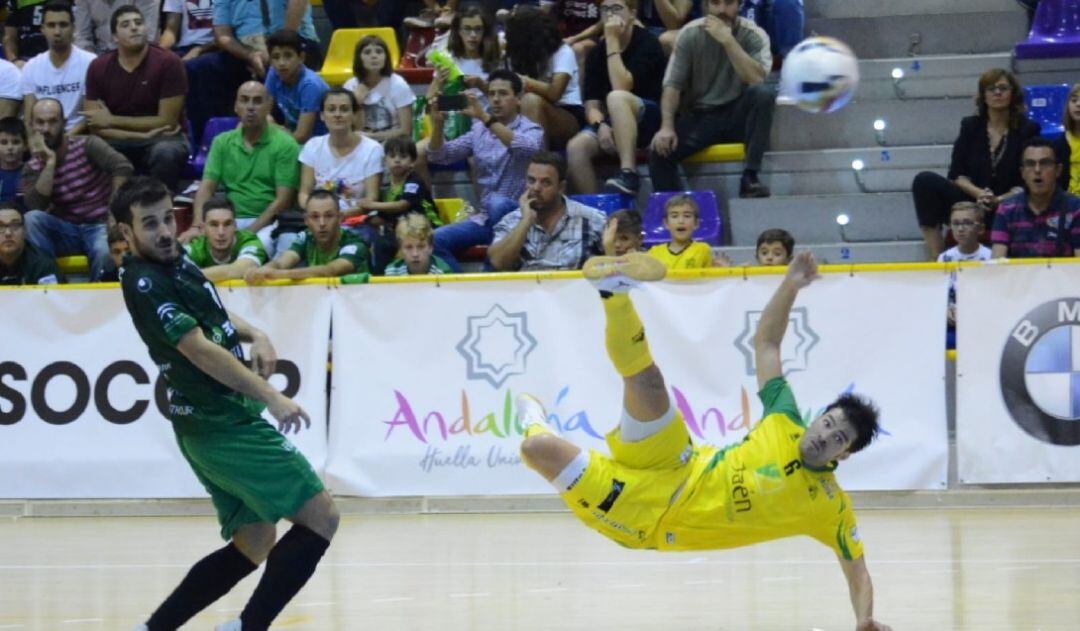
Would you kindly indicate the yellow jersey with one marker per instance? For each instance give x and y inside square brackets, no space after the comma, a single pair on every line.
[1074,163]
[694,256]
[760,490]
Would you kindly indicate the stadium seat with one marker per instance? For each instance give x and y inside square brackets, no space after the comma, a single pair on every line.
[70,265]
[1046,106]
[214,126]
[448,208]
[413,67]
[709,231]
[606,202]
[1055,33]
[735,152]
[338,66]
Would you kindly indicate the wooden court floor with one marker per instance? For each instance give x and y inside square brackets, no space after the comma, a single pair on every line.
[1014,570]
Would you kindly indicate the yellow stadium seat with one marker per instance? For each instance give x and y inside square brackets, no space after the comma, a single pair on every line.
[338,65]
[720,153]
[73,264]
[448,208]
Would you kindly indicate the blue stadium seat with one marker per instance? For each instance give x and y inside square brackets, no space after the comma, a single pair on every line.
[710,230]
[1046,106]
[606,202]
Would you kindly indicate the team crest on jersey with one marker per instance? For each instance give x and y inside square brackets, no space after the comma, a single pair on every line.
[854,533]
[411,187]
[144,285]
[166,312]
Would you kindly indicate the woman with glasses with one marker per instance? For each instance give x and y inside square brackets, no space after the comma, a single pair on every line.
[985,166]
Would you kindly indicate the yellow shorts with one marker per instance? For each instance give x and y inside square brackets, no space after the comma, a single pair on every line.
[624,497]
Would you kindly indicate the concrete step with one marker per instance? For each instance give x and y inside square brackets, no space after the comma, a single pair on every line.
[1043,71]
[813,218]
[916,34]
[912,122]
[934,76]
[843,253]
[880,9]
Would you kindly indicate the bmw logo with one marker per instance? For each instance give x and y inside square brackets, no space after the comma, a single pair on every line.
[1040,372]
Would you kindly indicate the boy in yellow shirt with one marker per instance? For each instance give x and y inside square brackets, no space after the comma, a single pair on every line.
[682,216]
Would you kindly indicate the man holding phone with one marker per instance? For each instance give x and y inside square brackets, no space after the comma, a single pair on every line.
[500,143]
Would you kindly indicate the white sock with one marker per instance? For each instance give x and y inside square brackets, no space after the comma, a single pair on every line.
[632,430]
[571,473]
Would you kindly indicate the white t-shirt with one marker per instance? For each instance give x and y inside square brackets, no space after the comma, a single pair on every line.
[474,67]
[564,60]
[10,81]
[345,175]
[383,101]
[66,84]
[196,21]
[954,254]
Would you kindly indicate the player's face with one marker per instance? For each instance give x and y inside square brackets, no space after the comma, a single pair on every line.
[12,233]
[1040,170]
[58,30]
[681,221]
[626,242]
[153,231]
[417,254]
[772,253]
[543,186]
[323,219]
[286,62]
[220,229]
[828,438]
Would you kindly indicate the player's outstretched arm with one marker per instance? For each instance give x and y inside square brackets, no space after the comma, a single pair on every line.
[223,366]
[774,320]
[862,595]
[263,355]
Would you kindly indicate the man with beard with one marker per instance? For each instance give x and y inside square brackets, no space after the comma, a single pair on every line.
[254,475]
[717,76]
[20,262]
[222,251]
[67,184]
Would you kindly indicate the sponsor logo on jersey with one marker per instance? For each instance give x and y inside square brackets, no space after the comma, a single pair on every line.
[144,285]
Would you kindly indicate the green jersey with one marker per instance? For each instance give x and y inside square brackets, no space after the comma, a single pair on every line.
[397,267]
[246,245]
[413,191]
[165,302]
[349,247]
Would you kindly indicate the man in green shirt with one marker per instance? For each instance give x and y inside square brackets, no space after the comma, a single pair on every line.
[258,165]
[325,249]
[254,475]
[222,251]
[20,262]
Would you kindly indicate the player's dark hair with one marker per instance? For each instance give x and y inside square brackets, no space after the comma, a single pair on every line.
[502,74]
[400,146]
[58,7]
[322,193]
[123,9]
[284,38]
[777,235]
[1039,142]
[339,92]
[550,158]
[863,416]
[13,127]
[141,190]
[219,203]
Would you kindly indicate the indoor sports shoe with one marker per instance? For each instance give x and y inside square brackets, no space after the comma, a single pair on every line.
[619,274]
[533,417]
[232,625]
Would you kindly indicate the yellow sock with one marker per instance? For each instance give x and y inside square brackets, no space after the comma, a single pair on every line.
[535,429]
[625,336]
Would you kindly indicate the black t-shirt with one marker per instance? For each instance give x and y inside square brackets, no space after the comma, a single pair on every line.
[32,268]
[416,194]
[26,15]
[643,57]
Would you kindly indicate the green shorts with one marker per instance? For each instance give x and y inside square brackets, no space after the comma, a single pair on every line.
[252,472]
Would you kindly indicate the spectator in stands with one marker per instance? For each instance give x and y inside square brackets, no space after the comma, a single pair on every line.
[323,250]
[622,233]
[501,142]
[549,73]
[296,89]
[353,14]
[717,77]
[985,166]
[23,38]
[67,184]
[20,262]
[417,244]
[386,98]
[1067,146]
[579,24]
[12,156]
[295,16]
[344,161]
[134,98]
[622,100]
[189,27]
[775,246]
[94,28]
[1042,220]
[60,71]
[664,18]
[118,247]
[10,89]
[682,216]
[256,163]
[404,193]
[436,13]
[548,231]
[783,20]
[966,222]
[223,251]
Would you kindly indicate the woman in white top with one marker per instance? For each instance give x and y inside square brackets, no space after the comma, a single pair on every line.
[343,161]
[386,97]
[549,72]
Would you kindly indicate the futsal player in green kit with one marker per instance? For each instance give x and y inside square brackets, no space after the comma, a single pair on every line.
[254,475]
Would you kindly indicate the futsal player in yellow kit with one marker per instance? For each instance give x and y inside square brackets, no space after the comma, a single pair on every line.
[660,491]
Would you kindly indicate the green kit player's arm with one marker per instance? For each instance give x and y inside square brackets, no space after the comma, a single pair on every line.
[263,355]
[774,320]
[223,366]
[862,595]
[231,271]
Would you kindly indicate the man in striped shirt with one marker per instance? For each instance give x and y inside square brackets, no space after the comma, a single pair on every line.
[67,184]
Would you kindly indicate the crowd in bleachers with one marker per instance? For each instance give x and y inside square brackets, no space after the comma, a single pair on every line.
[324,171]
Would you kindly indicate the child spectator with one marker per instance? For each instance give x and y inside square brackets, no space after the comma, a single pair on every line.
[622,233]
[417,242]
[118,247]
[386,98]
[296,89]
[775,246]
[966,221]
[682,217]
[12,156]
[474,47]
[1067,146]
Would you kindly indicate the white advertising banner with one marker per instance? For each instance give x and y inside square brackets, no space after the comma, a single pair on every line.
[80,400]
[1018,374]
[425,377]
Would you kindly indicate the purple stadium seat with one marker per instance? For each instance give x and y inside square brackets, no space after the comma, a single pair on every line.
[1046,106]
[606,202]
[1054,33]
[709,231]
[214,126]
